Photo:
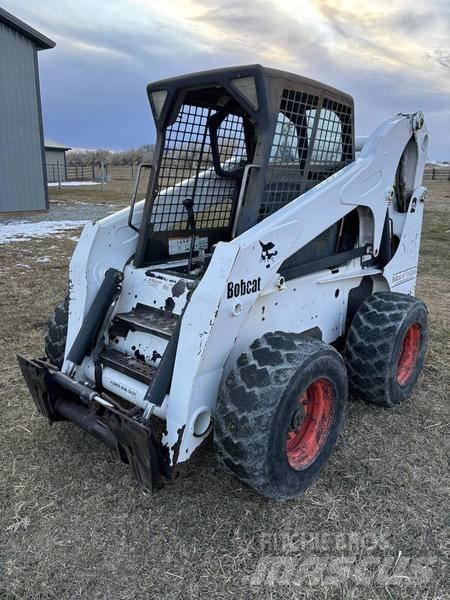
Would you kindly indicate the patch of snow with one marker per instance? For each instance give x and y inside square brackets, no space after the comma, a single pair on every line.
[43,259]
[74,183]
[22,265]
[21,231]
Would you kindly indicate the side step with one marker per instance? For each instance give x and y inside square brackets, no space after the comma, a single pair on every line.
[146,319]
[128,365]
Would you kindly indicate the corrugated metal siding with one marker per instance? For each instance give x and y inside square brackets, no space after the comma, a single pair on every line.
[52,158]
[22,185]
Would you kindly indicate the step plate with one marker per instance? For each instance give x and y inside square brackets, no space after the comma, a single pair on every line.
[128,365]
[149,320]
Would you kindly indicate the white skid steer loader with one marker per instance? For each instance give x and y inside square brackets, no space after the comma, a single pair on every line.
[267,271]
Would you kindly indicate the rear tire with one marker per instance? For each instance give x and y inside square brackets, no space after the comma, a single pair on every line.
[385,348]
[55,340]
[279,414]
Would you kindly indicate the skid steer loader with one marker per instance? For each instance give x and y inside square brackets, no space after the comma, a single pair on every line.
[267,271]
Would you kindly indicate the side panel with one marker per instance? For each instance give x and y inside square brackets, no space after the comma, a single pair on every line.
[107,243]
[401,272]
[315,302]
[22,182]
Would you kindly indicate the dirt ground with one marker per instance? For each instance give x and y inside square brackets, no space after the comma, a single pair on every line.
[73,524]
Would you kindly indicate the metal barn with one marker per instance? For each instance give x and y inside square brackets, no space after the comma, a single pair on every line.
[23,180]
[55,158]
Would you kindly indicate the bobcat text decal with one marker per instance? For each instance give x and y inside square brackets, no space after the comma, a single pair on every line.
[243,287]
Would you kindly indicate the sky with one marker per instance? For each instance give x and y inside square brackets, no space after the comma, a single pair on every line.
[390,55]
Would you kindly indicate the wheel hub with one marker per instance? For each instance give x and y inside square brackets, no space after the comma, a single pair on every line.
[297,418]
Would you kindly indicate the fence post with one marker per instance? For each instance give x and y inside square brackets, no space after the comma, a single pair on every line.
[103,176]
[59,175]
[93,170]
[132,171]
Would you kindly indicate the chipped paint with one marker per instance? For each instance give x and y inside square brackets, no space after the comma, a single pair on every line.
[179,288]
[169,304]
[155,356]
[139,355]
[175,449]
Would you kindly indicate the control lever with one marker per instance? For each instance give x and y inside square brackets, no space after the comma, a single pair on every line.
[188,204]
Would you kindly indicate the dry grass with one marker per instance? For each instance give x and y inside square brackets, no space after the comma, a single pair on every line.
[73,525]
[115,192]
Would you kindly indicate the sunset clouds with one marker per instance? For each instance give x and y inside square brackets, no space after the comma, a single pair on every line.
[390,55]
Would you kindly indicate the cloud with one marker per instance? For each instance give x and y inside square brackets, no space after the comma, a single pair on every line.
[440,55]
[263,31]
[391,56]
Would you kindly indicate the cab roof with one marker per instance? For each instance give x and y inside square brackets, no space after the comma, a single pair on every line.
[225,74]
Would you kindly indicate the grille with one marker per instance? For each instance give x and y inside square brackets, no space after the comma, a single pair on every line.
[312,140]
[332,145]
[186,170]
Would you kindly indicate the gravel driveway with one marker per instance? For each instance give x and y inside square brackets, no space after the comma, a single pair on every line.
[59,217]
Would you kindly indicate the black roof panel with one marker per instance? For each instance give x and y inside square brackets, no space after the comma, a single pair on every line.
[217,75]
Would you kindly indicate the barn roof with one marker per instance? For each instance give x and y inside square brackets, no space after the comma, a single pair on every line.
[42,42]
[52,145]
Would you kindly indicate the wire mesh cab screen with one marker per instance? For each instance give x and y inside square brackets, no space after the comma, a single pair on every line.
[189,167]
[210,125]
[312,140]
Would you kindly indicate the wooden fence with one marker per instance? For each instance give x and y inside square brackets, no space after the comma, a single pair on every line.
[437,173]
[59,172]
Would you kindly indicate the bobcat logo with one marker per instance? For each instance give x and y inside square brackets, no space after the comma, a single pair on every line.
[266,254]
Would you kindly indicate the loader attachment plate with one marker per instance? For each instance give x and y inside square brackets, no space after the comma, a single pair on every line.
[134,440]
[40,387]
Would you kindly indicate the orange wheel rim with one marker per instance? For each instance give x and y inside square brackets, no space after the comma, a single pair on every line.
[310,424]
[408,354]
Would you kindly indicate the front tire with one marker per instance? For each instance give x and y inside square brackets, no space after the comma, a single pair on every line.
[385,348]
[279,414]
[55,340]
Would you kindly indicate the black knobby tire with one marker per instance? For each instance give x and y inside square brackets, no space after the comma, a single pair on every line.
[55,340]
[385,347]
[257,405]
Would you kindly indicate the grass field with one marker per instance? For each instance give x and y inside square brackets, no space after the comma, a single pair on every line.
[74,526]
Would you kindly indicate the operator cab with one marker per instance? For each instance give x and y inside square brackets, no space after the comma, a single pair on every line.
[233,146]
